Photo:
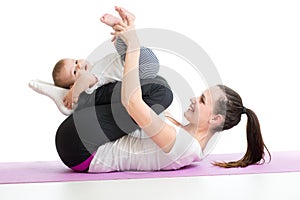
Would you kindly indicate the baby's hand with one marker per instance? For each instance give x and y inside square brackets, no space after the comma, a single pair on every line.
[69,100]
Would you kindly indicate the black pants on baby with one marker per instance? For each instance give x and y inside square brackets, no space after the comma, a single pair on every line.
[101,117]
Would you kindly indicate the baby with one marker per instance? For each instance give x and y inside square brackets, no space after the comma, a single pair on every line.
[80,76]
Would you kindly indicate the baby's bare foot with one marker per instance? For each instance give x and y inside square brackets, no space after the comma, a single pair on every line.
[109,20]
[125,13]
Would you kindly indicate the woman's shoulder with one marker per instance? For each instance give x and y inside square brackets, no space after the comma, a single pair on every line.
[185,146]
[171,118]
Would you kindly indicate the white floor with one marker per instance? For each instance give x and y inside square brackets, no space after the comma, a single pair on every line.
[283,186]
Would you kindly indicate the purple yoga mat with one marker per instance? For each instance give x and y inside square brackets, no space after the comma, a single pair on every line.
[55,171]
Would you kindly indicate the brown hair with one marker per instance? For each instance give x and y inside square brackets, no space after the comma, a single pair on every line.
[56,74]
[232,105]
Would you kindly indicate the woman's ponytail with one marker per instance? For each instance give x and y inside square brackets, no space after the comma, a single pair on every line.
[255,144]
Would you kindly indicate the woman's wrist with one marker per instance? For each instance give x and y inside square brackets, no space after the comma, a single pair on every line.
[133,42]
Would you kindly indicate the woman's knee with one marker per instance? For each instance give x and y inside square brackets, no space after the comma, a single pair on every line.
[157,93]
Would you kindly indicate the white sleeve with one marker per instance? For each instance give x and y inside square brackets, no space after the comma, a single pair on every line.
[184,144]
[107,70]
[185,151]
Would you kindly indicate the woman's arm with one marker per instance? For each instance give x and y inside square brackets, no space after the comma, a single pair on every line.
[160,132]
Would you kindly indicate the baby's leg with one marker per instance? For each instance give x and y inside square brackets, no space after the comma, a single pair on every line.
[110,20]
[148,63]
[124,13]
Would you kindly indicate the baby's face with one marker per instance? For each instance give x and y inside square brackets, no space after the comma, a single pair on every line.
[71,68]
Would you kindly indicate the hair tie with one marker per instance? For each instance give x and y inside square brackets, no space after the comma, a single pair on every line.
[244,111]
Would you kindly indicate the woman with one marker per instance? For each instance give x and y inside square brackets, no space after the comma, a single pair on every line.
[161,144]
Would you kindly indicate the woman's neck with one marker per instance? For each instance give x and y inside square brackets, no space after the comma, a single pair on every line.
[201,135]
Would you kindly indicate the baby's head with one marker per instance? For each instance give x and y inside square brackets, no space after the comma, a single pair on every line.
[64,71]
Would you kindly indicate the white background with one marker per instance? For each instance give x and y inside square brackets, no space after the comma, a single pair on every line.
[255,46]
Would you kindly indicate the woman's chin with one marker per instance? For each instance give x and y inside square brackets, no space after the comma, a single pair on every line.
[186,114]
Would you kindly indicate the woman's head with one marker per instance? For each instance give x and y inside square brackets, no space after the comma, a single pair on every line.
[220,108]
[201,111]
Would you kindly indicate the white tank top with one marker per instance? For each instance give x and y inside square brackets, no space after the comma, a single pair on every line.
[137,152]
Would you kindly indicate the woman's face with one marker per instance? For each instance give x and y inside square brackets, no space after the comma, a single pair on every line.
[200,111]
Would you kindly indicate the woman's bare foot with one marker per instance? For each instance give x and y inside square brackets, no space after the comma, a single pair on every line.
[125,13]
[110,20]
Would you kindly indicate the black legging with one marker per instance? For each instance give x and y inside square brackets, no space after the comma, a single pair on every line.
[101,118]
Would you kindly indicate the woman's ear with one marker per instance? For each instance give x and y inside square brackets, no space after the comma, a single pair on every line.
[217,119]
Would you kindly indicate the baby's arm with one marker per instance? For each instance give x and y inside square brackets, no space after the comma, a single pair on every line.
[84,81]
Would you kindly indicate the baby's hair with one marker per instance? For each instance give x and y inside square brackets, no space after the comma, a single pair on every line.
[56,74]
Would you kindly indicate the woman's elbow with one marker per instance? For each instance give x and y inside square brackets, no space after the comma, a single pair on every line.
[124,102]
[128,104]
[130,101]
